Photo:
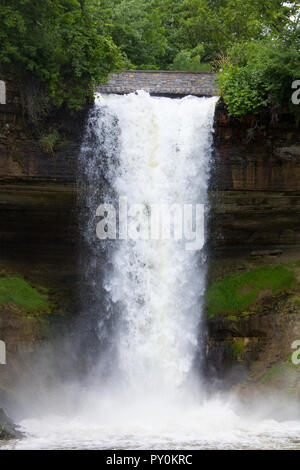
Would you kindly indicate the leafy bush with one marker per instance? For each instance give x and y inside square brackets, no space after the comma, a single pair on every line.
[260,74]
[48,142]
[243,90]
[60,49]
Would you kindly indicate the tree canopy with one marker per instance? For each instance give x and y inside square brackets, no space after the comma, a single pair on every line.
[61,46]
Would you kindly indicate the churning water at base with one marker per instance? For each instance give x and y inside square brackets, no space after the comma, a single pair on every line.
[112,423]
[147,296]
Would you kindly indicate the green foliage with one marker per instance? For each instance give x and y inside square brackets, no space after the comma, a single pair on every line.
[14,289]
[260,74]
[48,142]
[236,292]
[149,32]
[237,348]
[60,49]
[163,32]
[296,301]
[221,23]
[243,90]
[136,28]
[190,60]
[62,44]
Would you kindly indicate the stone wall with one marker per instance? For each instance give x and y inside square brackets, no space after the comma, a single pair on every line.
[161,83]
[38,227]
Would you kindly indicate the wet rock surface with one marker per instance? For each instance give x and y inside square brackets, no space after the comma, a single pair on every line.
[255,181]
[254,347]
[8,430]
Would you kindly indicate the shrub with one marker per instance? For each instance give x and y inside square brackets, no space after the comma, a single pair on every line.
[48,142]
[260,74]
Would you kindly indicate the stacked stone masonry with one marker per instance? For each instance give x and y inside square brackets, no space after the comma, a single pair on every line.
[161,83]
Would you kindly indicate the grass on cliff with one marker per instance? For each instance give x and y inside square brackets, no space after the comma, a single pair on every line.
[235,293]
[14,289]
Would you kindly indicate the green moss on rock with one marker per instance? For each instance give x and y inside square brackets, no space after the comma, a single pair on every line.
[15,290]
[235,293]
[237,348]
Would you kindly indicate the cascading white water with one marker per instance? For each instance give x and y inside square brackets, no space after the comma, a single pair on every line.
[160,155]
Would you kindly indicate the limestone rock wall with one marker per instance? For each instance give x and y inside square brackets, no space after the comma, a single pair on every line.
[255,181]
[37,187]
[22,156]
[38,229]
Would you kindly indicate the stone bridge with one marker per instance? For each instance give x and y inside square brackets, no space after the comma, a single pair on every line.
[161,83]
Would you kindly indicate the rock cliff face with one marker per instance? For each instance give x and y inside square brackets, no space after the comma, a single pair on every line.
[37,192]
[255,223]
[252,345]
[255,181]
[38,232]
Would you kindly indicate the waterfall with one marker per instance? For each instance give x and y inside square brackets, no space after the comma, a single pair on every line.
[148,298]
[143,295]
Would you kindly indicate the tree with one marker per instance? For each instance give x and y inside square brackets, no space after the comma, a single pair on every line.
[137,29]
[59,47]
[260,74]
[218,24]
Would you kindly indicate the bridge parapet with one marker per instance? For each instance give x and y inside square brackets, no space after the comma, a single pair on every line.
[161,83]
